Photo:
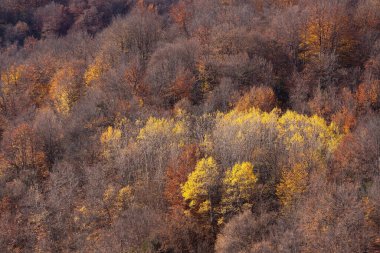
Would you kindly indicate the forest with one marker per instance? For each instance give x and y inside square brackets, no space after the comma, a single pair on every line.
[195,126]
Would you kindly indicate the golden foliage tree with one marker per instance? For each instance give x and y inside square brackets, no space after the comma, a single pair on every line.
[309,142]
[110,140]
[200,189]
[262,98]
[65,89]
[95,70]
[238,187]
[328,31]
[293,184]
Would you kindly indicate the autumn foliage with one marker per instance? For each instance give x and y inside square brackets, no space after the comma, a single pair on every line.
[190,126]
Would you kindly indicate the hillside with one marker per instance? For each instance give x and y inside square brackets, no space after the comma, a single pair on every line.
[190,126]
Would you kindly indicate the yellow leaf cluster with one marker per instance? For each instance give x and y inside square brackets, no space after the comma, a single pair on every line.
[304,140]
[238,133]
[94,71]
[124,197]
[10,78]
[110,139]
[161,130]
[154,127]
[297,129]
[110,135]
[117,200]
[109,194]
[293,183]
[201,181]
[238,183]
[316,38]
[63,90]
[251,117]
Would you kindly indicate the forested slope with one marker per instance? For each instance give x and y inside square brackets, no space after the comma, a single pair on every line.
[190,126]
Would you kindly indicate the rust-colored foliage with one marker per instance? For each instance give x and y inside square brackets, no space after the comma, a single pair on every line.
[180,14]
[327,31]
[189,125]
[368,95]
[37,77]
[23,151]
[345,119]
[133,75]
[262,98]
[183,84]
[357,156]
[286,3]
[177,173]
[5,204]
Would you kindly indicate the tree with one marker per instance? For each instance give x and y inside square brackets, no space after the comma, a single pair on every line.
[181,15]
[328,30]
[36,78]
[357,157]
[330,216]
[309,143]
[238,134]
[293,183]
[177,174]
[238,188]
[135,35]
[95,70]
[53,19]
[222,97]
[66,88]
[368,96]
[260,97]
[157,141]
[171,71]
[11,88]
[246,233]
[23,151]
[48,127]
[201,189]
[307,139]
[110,140]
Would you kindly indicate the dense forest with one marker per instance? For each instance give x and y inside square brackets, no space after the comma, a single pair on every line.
[190,126]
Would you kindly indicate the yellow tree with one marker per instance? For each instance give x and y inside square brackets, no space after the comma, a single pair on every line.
[201,189]
[11,76]
[293,184]
[124,198]
[95,70]
[307,139]
[160,138]
[308,143]
[238,133]
[110,140]
[115,201]
[66,88]
[238,186]
[328,31]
